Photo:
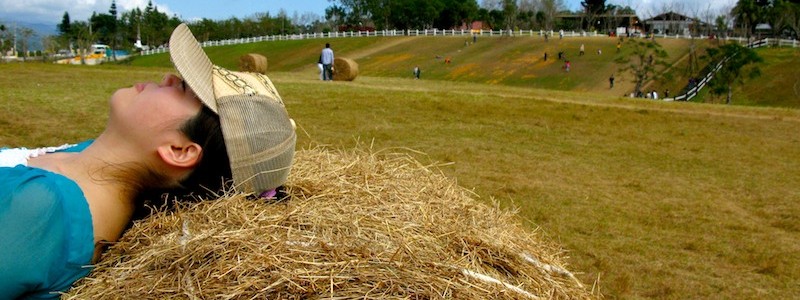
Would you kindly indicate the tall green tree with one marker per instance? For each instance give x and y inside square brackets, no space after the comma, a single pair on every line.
[335,15]
[510,13]
[592,9]
[455,13]
[747,14]
[5,42]
[105,27]
[64,28]
[645,56]
[739,63]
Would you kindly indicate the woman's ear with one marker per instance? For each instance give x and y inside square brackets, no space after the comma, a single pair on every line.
[186,155]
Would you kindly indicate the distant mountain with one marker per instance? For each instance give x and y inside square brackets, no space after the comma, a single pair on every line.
[40,29]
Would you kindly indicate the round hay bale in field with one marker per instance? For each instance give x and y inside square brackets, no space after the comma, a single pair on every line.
[355,225]
[252,62]
[344,69]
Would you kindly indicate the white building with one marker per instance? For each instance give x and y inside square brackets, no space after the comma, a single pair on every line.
[671,23]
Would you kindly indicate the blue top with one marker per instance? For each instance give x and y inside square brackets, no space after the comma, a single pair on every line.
[46,234]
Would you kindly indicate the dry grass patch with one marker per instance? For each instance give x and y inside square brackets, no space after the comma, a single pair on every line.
[356,225]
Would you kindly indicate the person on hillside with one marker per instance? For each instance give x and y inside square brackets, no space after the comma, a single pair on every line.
[186,138]
[581,51]
[567,65]
[654,95]
[666,93]
[545,56]
[327,62]
[611,81]
[416,72]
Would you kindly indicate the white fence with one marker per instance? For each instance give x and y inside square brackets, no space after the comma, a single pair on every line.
[438,32]
[691,93]
[345,34]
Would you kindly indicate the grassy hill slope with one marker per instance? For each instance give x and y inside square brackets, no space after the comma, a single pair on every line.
[649,199]
[779,84]
[514,61]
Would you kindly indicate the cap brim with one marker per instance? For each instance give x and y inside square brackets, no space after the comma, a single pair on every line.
[192,64]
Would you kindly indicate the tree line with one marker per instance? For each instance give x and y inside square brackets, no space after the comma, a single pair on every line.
[152,27]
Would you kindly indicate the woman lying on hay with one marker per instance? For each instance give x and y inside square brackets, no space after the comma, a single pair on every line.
[60,206]
[351,225]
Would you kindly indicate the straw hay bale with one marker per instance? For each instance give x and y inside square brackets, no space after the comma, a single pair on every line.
[344,69]
[252,62]
[356,225]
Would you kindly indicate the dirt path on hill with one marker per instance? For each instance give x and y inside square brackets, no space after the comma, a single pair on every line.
[363,52]
[680,60]
[383,46]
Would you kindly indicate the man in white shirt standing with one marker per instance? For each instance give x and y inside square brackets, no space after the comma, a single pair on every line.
[327,62]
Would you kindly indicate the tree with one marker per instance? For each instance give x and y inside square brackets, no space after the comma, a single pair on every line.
[25,35]
[645,56]
[592,9]
[113,9]
[455,13]
[746,15]
[64,27]
[5,41]
[779,16]
[335,15]
[738,62]
[793,19]
[84,38]
[50,46]
[551,9]
[510,13]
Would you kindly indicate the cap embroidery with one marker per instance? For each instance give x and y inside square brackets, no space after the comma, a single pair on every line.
[234,81]
[267,84]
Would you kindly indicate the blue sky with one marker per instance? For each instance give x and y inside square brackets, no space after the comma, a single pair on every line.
[51,11]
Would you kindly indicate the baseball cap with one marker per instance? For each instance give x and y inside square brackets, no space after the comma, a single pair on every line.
[259,135]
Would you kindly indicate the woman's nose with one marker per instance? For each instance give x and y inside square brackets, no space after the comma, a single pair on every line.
[170,79]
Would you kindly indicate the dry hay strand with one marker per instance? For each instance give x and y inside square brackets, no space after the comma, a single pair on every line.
[356,225]
[254,63]
[344,69]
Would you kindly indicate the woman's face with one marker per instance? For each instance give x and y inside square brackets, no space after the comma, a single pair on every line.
[153,111]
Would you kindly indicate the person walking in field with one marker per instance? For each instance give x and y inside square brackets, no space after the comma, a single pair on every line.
[582,50]
[416,72]
[567,65]
[611,81]
[327,62]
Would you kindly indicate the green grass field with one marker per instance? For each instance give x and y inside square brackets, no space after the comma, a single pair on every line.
[649,199]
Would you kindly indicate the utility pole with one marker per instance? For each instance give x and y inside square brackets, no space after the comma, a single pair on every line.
[15,40]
